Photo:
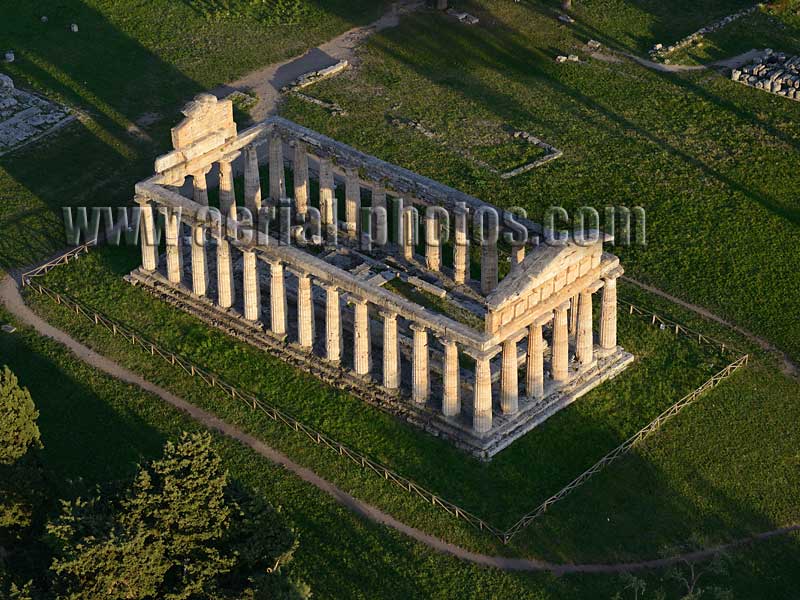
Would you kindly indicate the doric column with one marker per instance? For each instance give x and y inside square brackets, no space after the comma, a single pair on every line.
[174,252]
[534,385]
[252,182]
[584,343]
[327,200]
[352,202]
[560,356]
[461,248]
[391,352]
[420,382]
[451,397]
[509,377]
[573,314]
[361,338]
[200,186]
[305,311]
[333,324]
[250,286]
[488,266]
[608,311]
[225,284]
[482,404]
[433,243]
[517,255]
[300,168]
[199,264]
[147,235]
[227,196]
[277,298]
[277,175]
[407,234]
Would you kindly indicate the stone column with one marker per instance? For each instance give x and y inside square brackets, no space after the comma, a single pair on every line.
[277,175]
[352,202]
[147,235]
[482,404]
[407,235]
[391,352]
[174,252]
[327,200]
[200,186]
[584,343]
[252,182]
[534,385]
[251,288]
[461,248]
[488,266]
[517,255]
[225,284]
[333,324]
[573,314]
[277,298]
[300,168]
[305,311]
[433,243]
[420,382]
[199,264]
[509,377]
[227,196]
[560,356]
[608,313]
[451,397]
[362,342]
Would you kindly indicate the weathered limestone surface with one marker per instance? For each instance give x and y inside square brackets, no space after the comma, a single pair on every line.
[199,264]
[251,287]
[362,340]
[305,311]
[451,398]
[560,360]
[277,179]
[174,253]
[300,165]
[225,283]
[333,324]
[391,351]
[278,299]
[421,385]
[776,73]
[252,182]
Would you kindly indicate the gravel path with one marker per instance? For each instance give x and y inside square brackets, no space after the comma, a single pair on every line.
[11,298]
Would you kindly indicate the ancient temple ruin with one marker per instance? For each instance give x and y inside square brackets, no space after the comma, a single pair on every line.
[420,323]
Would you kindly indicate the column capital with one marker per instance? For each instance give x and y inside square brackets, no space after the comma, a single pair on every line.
[446,339]
[418,327]
[483,354]
[141,200]
[353,299]
[387,314]
[202,171]
[592,287]
[543,319]
[563,307]
[613,274]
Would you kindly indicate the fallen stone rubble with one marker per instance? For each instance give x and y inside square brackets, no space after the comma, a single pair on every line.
[775,73]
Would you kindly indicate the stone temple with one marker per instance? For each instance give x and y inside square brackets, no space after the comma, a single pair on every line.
[420,323]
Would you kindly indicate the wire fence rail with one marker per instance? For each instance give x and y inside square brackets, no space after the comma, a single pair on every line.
[363,461]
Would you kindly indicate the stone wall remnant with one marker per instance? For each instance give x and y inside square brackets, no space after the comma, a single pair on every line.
[775,73]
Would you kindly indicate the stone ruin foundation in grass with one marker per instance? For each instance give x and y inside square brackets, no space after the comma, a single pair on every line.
[775,73]
[400,323]
[25,116]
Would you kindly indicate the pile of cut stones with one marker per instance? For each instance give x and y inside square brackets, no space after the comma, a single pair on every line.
[659,51]
[775,73]
[25,116]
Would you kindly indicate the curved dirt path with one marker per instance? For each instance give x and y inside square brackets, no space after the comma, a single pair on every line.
[267,82]
[788,367]
[11,298]
[730,63]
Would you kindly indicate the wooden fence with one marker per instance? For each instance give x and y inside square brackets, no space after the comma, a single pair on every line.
[321,439]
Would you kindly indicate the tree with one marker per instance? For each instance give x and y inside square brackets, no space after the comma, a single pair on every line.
[18,414]
[175,534]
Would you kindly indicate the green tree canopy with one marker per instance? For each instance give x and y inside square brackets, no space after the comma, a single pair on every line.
[180,531]
[18,414]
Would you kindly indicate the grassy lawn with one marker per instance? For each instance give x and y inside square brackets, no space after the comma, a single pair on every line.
[651,480]
[96,429]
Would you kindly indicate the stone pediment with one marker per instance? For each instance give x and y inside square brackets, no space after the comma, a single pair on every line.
[543,263]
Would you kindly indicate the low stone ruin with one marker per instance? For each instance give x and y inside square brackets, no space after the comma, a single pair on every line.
[463,17]
[659,51]
[775,73]
[25,117]
[312,77]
